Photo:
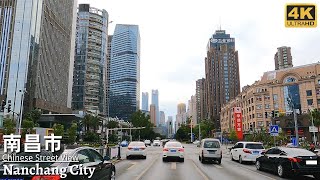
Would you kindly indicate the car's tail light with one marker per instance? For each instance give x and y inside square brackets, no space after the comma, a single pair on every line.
[181,150]
[165,149]
[296,160]
[130,148]
[142,148]
[246,151]
[54,177]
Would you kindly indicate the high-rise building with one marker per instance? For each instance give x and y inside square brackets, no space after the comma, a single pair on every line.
[162,118]
[125,71]
[153,114]
[283,58]
[192,110]
[155,101]
[170,127]
[181,117]
[108,75]
[201,99]
[222,74]
[145,101]
[90,64]
[40,56]
[7,17]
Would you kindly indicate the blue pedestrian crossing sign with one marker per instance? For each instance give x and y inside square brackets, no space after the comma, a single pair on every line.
[274,130]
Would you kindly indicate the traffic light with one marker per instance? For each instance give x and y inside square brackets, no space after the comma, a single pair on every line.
[266,114]
[9,108]
[272,114]
[276,114]
[3,104]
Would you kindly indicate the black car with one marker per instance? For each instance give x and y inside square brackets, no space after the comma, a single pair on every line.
[289,161]
[71,156]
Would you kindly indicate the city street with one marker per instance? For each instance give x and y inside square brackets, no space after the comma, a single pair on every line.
[154,168]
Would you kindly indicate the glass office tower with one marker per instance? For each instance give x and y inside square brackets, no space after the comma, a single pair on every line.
[125,71]
[89,80]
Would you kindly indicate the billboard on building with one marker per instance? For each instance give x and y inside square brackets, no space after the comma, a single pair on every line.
[238,122]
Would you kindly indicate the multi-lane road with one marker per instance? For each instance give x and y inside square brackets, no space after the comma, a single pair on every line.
[191,169]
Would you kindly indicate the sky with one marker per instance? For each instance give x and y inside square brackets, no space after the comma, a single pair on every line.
[174,35]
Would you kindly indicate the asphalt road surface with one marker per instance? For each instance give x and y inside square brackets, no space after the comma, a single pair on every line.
[191,169]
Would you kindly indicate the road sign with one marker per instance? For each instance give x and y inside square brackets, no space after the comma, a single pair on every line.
[313,129]
[294,141]
[274,130]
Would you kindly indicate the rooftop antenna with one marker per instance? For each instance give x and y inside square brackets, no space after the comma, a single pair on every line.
[220,23]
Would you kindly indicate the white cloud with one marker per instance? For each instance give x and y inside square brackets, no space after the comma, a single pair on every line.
[174,35]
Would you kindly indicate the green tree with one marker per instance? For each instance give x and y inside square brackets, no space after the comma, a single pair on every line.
[315,114]
[33,115]
[140,119]
[233,135]
[112,124]
[183,133]
[72,133]
[91,137]
[27,126]
[9,126]
[58,129]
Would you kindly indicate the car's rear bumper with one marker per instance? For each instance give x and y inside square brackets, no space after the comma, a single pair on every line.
[250,157]
[136,153]
[305,171]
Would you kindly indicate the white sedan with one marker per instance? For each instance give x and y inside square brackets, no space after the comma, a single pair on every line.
[173,150]
[136,148]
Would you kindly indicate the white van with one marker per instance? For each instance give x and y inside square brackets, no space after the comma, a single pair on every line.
[210,150]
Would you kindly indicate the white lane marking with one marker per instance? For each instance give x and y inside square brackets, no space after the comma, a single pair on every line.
[218,166]
[132,165]
[174,165]
[199,171]
[241,166]
[143,172]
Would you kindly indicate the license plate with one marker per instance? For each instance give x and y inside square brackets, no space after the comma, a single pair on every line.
[256,152]
[136,149]
[173,151]
[310,162]
[211,152]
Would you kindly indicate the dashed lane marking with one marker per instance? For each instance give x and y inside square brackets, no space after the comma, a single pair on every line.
[132,165]
[199,171]
[143,172]
[174,165]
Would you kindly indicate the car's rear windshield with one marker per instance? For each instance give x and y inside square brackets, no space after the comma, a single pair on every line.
[136,144]
[297,152]
[173,144]
[211,144]
[254,146]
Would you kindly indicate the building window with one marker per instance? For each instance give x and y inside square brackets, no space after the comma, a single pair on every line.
[275,97]
[309,92]
[319,81]
[318,100]
[267,106]
[310,102]
[276,106]
[259,115]
[252,116]
[259,106]
[267,97]
[252,108]
[259,98]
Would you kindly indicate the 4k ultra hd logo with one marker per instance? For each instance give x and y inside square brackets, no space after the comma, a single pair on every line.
[299,15]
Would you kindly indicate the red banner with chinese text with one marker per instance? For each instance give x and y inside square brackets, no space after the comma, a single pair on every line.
[238,122]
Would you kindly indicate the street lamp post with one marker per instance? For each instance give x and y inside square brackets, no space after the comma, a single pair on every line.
[312,121]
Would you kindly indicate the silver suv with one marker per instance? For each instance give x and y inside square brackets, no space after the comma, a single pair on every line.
[210,150]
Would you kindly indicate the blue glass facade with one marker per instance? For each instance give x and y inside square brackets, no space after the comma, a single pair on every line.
[291,94]
[145,101]
[125,71]
[89,80]
[41,56]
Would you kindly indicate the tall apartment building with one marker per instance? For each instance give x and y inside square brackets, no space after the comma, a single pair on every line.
[283,58]
[145,101]
[153,114]
[301,84]
[37,52]
[108,75]
[222,74]
[162,118]
[170,127]
[181,117]
[125,71]
[90,65]
[201,100]
[192,110]
[155,101]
